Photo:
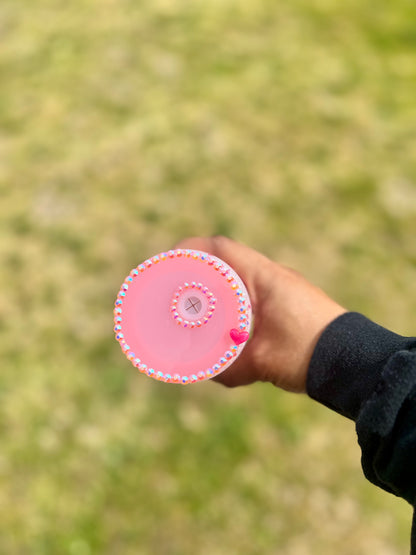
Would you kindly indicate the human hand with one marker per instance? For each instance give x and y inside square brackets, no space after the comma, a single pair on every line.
[289,316]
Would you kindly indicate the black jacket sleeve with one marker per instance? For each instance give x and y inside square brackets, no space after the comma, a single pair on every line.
[368,374]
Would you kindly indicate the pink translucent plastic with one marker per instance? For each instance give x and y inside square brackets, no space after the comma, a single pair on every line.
[160,346]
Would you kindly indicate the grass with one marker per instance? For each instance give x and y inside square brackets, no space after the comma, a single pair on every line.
[125,126]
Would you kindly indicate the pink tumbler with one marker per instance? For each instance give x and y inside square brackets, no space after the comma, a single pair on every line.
[182,316]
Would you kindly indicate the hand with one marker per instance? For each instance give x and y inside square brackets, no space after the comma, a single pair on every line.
[289,316]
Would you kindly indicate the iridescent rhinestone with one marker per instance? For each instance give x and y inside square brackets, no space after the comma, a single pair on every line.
[184,379]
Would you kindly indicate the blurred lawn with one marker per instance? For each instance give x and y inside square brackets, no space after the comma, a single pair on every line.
[124,126]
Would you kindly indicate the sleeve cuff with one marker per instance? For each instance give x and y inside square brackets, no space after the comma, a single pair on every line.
[348,360]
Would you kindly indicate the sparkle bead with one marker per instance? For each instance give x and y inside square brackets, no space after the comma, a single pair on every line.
[137,362]
[141,268]
[210,372]
[178,252]
[228,355]
[117,328]
[184,379]
[168,377]
[129,279]
[223,361]
[119,336]
[134,273]
[193,378]
[216,368]
[121,294]
[150,371]
[171,254]
[125,347]
[148,263]
[125,286]
[131,355]
[117,311]
[142,367]
[155,259]
[201,375]
[176,378]
[159,375]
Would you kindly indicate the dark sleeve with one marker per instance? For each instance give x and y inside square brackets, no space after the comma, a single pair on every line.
[368,374]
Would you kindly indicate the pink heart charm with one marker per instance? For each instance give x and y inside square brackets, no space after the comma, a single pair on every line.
[238,336]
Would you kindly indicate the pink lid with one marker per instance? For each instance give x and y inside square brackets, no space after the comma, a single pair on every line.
[182,316]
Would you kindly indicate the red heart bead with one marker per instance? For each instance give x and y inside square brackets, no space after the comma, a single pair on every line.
[238,336]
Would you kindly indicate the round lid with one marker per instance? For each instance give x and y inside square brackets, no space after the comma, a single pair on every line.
[182,316]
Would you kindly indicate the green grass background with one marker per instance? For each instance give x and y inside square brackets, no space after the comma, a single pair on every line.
[126,125]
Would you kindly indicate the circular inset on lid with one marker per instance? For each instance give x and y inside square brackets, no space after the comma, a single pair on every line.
[193,305]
